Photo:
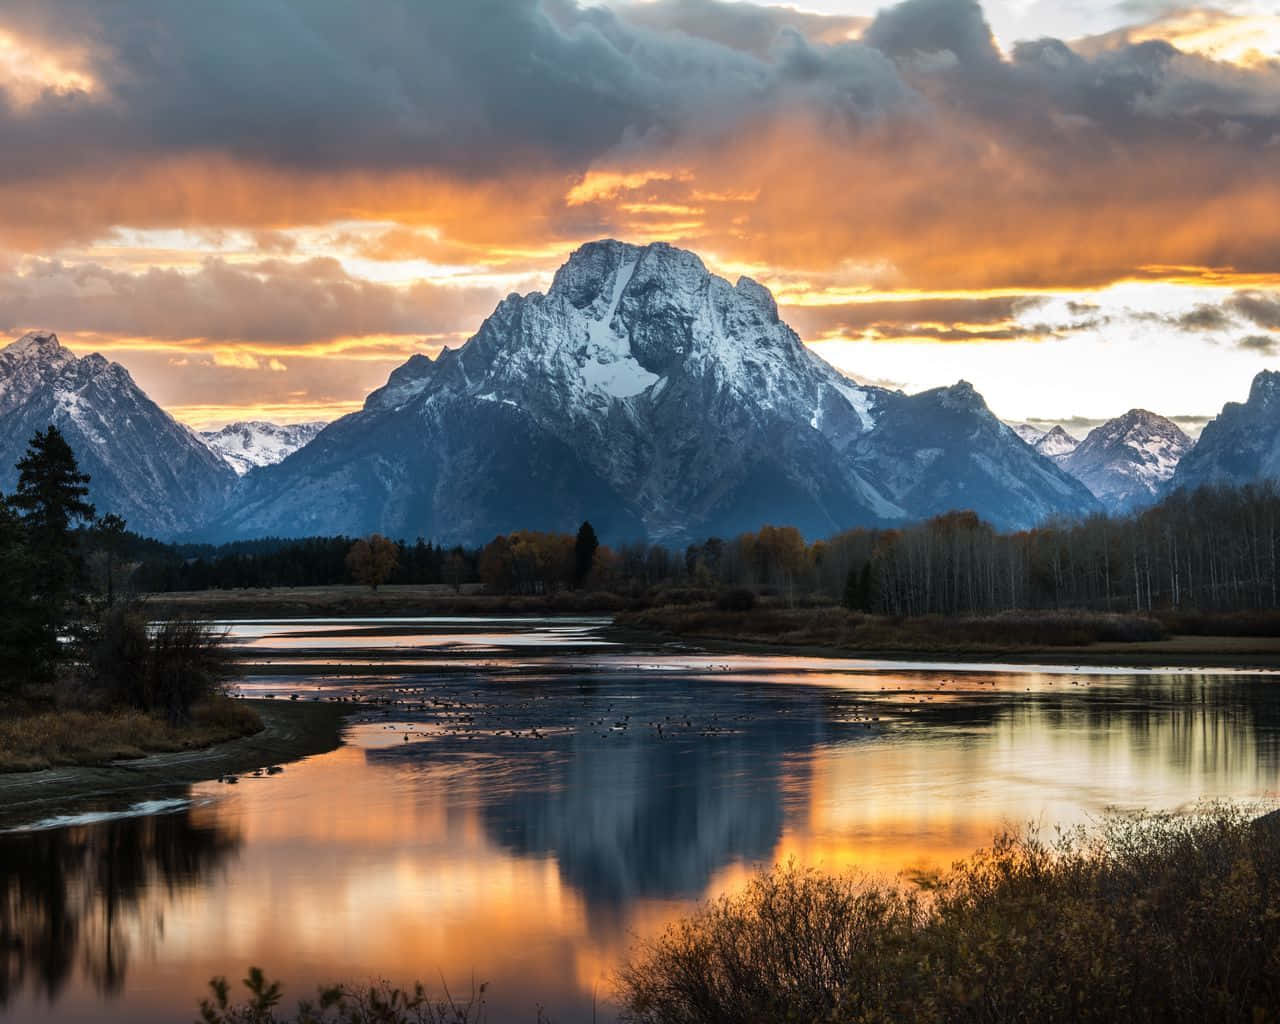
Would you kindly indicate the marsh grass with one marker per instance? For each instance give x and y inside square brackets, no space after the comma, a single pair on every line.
[1160,918]
[831,626]
[35,738]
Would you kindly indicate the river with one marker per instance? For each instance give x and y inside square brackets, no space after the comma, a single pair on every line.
[518,801]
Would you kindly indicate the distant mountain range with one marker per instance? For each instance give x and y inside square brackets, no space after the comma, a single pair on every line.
[250,444]
[641,392]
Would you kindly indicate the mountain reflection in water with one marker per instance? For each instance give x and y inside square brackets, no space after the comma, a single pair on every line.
[524,820]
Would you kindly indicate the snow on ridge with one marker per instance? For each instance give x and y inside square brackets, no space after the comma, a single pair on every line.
[251,444]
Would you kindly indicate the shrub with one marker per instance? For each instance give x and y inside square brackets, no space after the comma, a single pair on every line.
[164,668]
[1159,918]
[343,1004]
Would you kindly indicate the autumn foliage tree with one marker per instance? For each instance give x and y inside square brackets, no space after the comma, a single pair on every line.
[372,560]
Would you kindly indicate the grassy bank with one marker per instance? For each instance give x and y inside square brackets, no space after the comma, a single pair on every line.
[290,731]
[835,627]
[1071,637]
[35,738]
[339,601]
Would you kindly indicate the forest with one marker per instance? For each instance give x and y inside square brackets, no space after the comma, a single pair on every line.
[1213,549]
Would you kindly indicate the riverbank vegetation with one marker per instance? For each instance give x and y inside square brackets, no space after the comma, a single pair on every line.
[84,677]
[1212,551]
[1168,918]
[36,737]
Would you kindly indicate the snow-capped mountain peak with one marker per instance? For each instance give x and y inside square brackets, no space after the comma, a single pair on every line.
[659,400]
[143,464]
[1027,431]
[1056,443]
[1126,461]
[251,443]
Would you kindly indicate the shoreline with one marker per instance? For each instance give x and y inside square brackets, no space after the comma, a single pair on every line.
[291,731]
[1185,651]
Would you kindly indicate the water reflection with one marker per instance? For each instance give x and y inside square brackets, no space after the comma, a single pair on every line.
[524,819]
[87,895]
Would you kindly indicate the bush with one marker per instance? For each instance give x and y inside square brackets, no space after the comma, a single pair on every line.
[1144,919]
[343,1004]
[739,599]
[166,668]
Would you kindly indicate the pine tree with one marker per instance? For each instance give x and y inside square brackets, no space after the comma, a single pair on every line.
[22,628]
[51,499]
[584,552]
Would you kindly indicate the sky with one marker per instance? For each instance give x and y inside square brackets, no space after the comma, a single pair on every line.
[261,207]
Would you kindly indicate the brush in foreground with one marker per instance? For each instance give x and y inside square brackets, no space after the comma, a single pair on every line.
[1143,919]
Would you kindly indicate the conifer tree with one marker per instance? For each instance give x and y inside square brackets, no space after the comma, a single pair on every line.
[51,500]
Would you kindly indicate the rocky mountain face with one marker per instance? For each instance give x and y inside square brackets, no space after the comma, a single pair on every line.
[1056,443]
[249,444]
[144,465]
[657,400]
[1242,445]
[1127,461]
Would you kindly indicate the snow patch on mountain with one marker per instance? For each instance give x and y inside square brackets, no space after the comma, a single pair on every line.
[250,444]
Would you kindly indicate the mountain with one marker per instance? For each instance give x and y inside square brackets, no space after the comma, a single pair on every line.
[658,400]
[1027,432]
[1241,445]
[144,465]
[1056,443]
[1126,461]
[251,443]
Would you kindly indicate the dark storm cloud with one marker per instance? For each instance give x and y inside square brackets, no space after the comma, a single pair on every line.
[272,301]
[462,86]
[921,148]
[469,85]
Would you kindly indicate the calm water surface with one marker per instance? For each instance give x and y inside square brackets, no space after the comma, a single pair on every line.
[518,801]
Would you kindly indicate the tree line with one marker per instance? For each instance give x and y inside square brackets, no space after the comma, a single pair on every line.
[1213,549]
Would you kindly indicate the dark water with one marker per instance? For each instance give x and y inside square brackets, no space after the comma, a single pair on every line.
[518,801]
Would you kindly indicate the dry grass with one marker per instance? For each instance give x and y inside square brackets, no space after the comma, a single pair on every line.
[836,627]
[1145,919]
[31,740]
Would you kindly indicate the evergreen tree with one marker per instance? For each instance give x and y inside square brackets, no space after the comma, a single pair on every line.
[584,553]
[22,629]
[51,499]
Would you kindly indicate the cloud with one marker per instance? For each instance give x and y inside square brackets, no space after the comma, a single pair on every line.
[919,147]
[1261,308]
[1262,344]
[271,301]
[1204,317]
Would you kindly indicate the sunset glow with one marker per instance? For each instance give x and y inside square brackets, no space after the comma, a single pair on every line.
[245,252]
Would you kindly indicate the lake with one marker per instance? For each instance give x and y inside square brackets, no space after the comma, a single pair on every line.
[518,801]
